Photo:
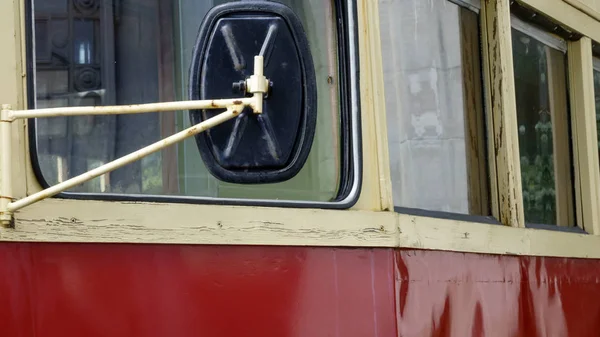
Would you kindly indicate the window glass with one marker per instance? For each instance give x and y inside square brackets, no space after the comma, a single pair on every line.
[435,118]
[103,52]
[543,125]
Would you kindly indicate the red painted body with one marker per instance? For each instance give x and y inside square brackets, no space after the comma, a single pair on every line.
[163,290]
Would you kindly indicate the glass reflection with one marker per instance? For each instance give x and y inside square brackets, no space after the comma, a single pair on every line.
[99,52]
[431,69]
[540,88]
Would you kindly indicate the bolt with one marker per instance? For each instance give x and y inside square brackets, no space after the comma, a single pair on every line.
[239,87]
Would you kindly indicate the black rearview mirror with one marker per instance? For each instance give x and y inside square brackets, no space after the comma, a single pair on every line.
[266,147]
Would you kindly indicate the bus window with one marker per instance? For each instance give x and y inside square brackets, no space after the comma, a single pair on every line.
[139,51]
[543,125]
[433,95]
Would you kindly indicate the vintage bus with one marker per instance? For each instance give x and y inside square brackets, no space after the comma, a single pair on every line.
[299,168]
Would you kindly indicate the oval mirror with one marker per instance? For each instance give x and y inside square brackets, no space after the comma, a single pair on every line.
[267,147]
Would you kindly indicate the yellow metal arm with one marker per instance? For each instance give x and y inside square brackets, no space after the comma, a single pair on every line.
[257,84]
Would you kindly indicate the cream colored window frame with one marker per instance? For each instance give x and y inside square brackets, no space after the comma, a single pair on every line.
[504,140]
[560,113]
[369,223]
[583,120]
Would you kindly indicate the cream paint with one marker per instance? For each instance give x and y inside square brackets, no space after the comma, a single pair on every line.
[590,7]
[503,111]
[568,15]
[583,128]
[56,220]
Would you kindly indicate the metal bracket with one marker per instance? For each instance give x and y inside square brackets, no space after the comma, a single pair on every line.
[257,84]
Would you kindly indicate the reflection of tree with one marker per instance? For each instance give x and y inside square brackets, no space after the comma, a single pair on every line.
[537,175]
[152,174]
[535,129]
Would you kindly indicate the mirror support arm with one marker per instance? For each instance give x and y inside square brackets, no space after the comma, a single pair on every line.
[257,85]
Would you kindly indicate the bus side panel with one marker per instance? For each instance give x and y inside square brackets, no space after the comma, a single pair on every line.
[456,294]
[167,290]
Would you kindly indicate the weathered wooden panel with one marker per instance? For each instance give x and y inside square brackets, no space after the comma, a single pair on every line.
[590,7]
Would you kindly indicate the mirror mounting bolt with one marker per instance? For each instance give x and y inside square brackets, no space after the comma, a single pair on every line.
[239,87]
[258,84]
[6,219]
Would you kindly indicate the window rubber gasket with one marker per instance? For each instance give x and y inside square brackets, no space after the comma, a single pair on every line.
[350,124]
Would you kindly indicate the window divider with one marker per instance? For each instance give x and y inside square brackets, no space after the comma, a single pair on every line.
[479,193]
[489,120]
[559,110]
[585,144]
[377,193]
[501,104]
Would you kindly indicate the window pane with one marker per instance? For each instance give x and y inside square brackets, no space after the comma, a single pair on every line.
[434,106]
[139,51]
[543,122]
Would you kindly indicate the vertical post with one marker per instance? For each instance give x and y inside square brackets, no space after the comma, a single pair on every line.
[5,167]
[503,111]
[258,75]
[585,141]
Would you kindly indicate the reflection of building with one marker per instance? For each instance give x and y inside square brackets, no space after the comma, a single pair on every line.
[99,52]
[91,53]
[422,60]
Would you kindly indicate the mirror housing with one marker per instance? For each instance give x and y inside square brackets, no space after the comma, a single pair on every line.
[265,146]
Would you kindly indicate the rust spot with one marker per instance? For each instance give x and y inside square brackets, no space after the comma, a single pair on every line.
[238,102]
[213,104]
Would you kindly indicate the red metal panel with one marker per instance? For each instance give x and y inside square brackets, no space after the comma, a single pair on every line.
[162,290]
[159,290]
[454,294]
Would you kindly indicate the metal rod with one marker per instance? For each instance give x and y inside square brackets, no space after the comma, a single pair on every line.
[6,168]
[117,163]
[129,109]
[259,85]
[258,76]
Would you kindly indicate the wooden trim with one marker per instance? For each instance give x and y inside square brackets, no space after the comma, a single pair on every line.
[489,119]
[503,111]
[376,84]
[460,236]
[584,7]
[567,15]
[583,123]
[56,220]
[59,220]
[13,83]
[372,105]
[557,93]
[474,114]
